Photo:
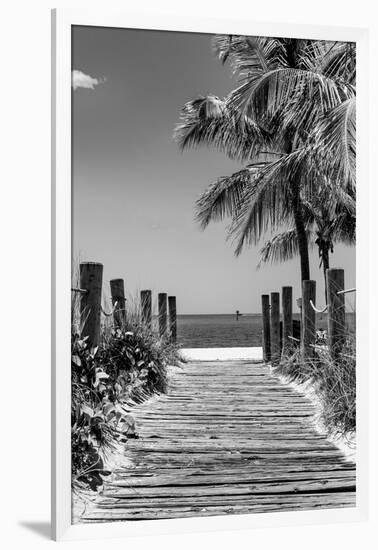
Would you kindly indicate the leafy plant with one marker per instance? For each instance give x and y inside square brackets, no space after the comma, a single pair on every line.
[127,367]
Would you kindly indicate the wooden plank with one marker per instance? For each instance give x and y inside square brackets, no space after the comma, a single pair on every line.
[267,504]
[238,488]
[227,438]
[235,479]
[265,471]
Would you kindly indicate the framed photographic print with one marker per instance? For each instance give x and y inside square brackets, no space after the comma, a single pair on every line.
[209,226]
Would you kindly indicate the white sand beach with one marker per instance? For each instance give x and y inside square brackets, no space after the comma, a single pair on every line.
[222,354]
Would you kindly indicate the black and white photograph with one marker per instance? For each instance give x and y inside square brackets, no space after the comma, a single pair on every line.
[213,292]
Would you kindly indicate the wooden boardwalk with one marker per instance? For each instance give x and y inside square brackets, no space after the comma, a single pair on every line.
[228,438]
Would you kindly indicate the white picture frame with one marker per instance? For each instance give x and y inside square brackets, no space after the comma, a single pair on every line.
[62,21]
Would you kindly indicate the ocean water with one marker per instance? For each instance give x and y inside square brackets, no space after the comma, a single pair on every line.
[223,331]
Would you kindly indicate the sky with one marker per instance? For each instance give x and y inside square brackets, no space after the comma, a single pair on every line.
[133,189]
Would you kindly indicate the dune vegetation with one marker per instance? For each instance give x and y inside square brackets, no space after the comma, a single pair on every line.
[332,380]
[128,366]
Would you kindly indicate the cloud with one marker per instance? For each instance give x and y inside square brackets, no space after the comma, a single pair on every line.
[82,80]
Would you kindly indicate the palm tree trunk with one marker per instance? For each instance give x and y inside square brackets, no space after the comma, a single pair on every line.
[325,261]
[301,234]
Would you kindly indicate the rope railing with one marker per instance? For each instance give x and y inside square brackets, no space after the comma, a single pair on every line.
[90,287]
[347,291]
[111,312]
[318,310]
[278,328]
[80,290]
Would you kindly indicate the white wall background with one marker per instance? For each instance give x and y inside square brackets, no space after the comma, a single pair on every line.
[25,274]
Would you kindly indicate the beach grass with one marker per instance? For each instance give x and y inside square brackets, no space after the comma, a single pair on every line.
[333,381]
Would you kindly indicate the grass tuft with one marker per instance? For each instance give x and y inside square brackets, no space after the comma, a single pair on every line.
[334,382]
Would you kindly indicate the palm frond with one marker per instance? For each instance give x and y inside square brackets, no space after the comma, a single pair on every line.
[223,198]
[208,121]
[337,60]
[289,91]
[335,141]
[249,54]
[268,203]
[344,228]
[280,248]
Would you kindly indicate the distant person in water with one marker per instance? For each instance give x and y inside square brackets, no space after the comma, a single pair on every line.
[238,314]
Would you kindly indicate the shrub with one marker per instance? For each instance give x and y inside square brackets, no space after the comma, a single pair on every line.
[128,366]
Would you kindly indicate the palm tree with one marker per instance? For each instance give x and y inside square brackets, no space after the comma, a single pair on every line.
[290,120]
[325,226]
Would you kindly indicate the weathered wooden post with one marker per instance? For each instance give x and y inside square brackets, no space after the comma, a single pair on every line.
[172,317]
[287,319]
[117,290]
[336,311]
[146,304]
[90,303]
[275,343]
[265,306]
[162,308]
[308,320]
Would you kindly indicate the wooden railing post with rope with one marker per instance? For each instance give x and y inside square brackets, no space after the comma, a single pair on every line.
[287,319]
[336,319]
[275,340]
[308,320]
[162,312]
[265,306]
[90,292]
[146,306]
[117,290]
[172,317]
[90,303]
[336,311]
